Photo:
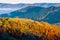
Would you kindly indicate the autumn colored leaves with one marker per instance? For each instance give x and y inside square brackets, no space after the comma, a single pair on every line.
[18,26]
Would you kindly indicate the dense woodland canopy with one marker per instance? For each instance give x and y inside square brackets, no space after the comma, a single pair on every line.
[26,29]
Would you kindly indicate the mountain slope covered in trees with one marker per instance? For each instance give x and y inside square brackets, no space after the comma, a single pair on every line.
[27,29]
[50,14]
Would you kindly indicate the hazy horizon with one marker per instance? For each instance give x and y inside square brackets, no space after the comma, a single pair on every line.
[27,1]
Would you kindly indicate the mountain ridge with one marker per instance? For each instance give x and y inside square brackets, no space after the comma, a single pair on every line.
[35,4]
[38,13]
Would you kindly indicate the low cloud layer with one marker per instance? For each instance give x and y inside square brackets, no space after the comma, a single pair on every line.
[29,1]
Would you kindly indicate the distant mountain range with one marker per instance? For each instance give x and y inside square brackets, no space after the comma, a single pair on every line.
[7,8]
[39,12]
[5,5]
[51,14]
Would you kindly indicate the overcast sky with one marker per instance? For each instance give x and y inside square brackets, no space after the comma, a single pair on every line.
[29,1]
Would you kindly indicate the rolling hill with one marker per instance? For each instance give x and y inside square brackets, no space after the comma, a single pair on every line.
[27,29]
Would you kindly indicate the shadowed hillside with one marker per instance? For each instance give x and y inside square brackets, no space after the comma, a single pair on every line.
[26,29]
[49,14]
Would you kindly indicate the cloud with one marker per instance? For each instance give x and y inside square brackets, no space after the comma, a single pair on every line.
[29,1]
[8,9]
